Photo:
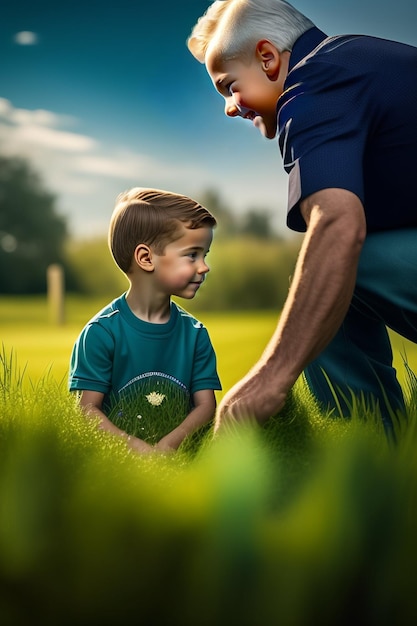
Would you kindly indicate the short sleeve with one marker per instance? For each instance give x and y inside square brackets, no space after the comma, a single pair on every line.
[92,360]
[204,367]
[323,129]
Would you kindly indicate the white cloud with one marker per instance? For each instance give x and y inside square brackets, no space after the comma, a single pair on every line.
[53,139]
[123,167]
[5,108]
[85,175]
[39,117]
[26,38]
[127,165]
[22,127]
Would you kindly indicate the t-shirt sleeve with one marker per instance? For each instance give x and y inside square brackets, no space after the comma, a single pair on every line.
[205,366]
[323,128]
[91,360]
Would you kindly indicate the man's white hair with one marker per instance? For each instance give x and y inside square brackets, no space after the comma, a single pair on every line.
[231,28]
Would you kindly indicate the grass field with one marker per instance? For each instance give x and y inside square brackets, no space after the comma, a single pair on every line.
[307,520]
[41,346]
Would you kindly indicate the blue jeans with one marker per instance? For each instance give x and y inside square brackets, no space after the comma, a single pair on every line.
[359,358]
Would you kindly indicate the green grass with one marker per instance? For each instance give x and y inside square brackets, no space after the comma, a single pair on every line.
[41,346]
[238,337]
[306,521]
[288,524]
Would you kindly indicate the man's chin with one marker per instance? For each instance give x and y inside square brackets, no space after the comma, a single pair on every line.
[268,133]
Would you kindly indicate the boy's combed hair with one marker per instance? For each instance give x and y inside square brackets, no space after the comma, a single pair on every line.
[231,28]
[152,217]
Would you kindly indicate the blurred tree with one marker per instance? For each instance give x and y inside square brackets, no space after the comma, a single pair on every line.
[97,273]
[246,272]
[226,221]
[32,234]
[257,222]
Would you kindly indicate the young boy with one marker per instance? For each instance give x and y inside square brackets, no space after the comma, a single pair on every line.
[160,241]
[344,111]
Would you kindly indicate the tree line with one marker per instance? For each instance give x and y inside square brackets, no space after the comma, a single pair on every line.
[34,235]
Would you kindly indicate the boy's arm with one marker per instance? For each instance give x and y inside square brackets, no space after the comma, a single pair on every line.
[91,403]
[201,414]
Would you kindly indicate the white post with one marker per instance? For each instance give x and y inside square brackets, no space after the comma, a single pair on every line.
[55,286]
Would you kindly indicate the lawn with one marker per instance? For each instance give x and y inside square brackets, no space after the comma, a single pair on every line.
[41,346]
[307,520]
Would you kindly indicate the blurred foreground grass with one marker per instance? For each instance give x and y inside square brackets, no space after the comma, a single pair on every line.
[306,521]
[309,520]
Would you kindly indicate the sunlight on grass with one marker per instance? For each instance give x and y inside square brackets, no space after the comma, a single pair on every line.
[273,525]
[238,338]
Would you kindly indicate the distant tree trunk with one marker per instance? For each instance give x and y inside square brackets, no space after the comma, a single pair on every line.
[56,293]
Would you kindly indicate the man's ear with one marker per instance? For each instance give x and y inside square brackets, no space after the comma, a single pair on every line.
[269,57]
[143,257]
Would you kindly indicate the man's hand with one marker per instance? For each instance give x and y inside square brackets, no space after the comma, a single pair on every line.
[317,302]
[253,397]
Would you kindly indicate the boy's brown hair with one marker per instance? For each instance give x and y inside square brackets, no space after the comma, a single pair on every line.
[152,217]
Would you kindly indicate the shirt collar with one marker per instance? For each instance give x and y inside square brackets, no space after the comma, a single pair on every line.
[305,44]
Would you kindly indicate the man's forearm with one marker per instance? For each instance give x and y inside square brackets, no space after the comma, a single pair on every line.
[320,293]
[318,300]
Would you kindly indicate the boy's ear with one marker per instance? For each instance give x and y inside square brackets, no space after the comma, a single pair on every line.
[269,57]
[143,257]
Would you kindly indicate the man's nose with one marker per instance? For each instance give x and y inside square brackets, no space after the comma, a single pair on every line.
[230,108]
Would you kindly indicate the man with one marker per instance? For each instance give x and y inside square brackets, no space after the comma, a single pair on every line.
[344,109]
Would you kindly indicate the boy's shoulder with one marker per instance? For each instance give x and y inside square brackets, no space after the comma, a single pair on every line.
[186,317]
[117,313]
[108,312]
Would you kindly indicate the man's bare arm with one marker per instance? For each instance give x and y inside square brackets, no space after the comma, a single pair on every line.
[316,305]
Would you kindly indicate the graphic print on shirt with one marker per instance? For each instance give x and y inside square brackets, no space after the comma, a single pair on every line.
[150,406]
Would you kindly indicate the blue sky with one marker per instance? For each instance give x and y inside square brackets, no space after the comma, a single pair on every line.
[106,96]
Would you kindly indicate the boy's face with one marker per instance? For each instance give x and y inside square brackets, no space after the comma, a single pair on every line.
[250,89]
[181,270]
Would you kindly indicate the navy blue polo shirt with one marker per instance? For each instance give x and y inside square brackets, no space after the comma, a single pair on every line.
[348,119]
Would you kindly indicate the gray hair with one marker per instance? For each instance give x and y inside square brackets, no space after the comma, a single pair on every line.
[231,27]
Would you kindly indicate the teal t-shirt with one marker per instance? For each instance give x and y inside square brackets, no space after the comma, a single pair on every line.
[119,354]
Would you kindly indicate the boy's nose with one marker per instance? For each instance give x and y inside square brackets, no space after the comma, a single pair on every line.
[204,268]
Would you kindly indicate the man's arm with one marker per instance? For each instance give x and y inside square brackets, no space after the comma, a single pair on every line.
[318,300]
